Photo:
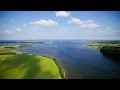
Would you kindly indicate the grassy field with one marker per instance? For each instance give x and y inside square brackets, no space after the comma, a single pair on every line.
[5,50]
[27,66]
[99,45]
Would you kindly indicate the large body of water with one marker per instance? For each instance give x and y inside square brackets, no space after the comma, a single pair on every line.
[77,59]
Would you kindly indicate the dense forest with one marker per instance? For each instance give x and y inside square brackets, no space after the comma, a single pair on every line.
[110,49]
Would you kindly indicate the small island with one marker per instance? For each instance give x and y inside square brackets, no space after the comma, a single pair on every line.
[16,65]
[110,49]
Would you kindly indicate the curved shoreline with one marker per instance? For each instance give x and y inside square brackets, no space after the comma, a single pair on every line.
[61,70]
[110,50]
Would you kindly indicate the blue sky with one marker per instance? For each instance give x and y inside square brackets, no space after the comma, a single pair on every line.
[35,25]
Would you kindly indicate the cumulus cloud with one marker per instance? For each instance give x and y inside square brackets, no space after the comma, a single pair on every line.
[43,22]
[75,20]
[84,23]
[18,29]
[62,14]
[24,24]
[7,31]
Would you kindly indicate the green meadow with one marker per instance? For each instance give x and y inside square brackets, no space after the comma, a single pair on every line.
[27,66]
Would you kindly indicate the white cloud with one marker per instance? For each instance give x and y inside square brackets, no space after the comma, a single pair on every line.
[43,22]
[84,23]
[75,20]
[62,14]
[18,29]
[24,24]
[7,31]
[89,24]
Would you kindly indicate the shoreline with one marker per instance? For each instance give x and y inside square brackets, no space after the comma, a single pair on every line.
[61,70]
[110,50]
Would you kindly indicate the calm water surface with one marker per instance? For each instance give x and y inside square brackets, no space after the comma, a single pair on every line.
[77,59]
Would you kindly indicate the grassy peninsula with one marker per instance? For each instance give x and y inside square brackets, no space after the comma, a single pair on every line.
[14,65]
[110,49]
